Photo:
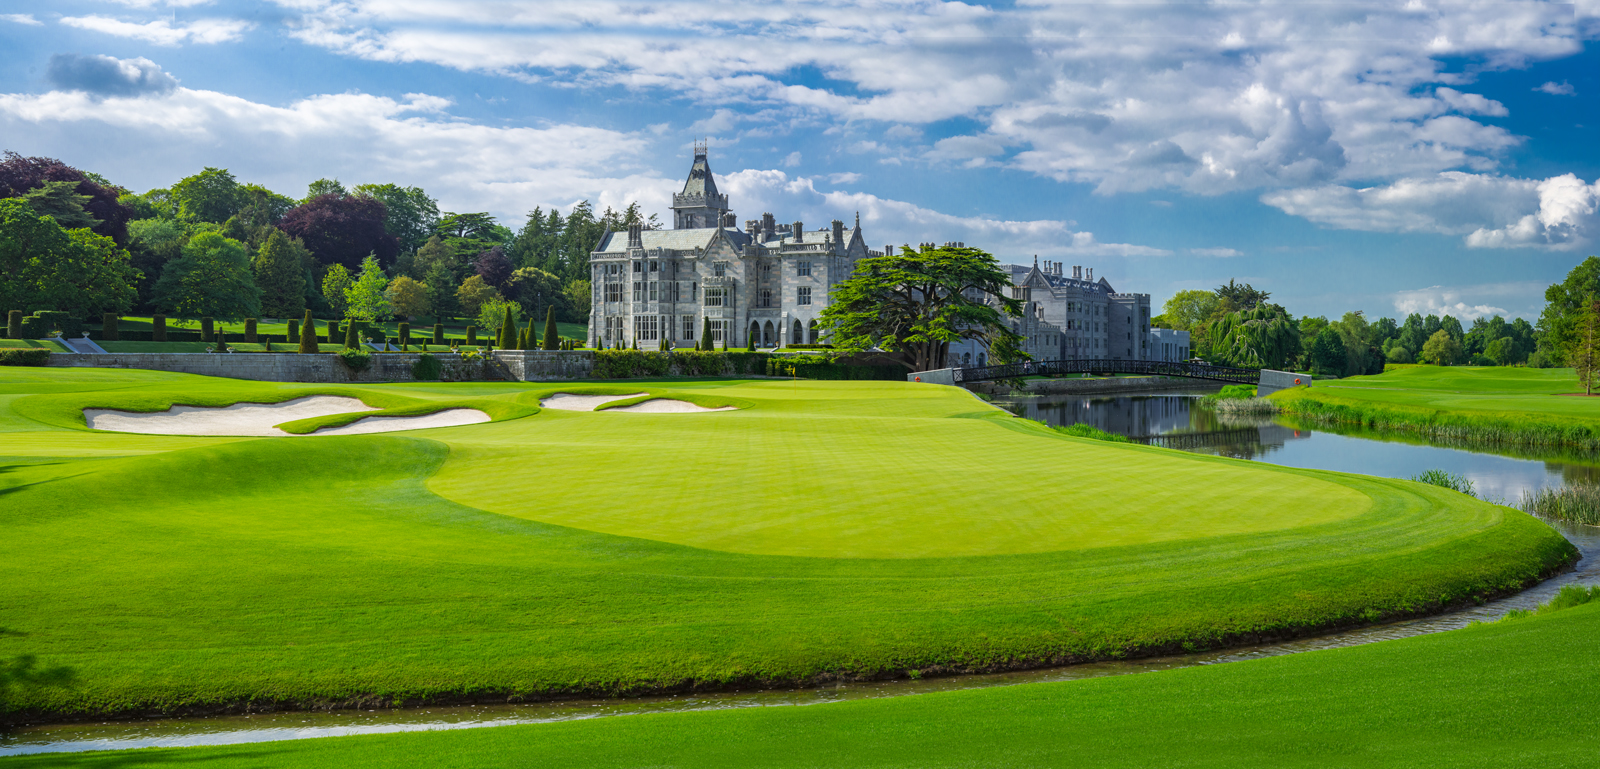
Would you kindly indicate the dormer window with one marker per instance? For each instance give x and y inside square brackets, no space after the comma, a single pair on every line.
[719,269]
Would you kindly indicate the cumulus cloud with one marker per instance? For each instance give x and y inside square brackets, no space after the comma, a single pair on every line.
[21,18]
[1467,303]
[1205,97]
[1489,211]
[1553,88]
[164,31]
[108,76]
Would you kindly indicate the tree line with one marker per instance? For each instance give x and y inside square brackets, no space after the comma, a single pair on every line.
[1235,324]
[212,246]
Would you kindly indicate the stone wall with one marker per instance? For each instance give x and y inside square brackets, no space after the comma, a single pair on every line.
[1273,381]
[264,367]
[1105,385]
[546,366]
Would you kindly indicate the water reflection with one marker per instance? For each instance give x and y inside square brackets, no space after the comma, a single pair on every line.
[1179,420]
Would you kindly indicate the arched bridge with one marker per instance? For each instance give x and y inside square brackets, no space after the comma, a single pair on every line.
[1229,374]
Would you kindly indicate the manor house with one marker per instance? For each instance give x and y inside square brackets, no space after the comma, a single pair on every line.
[767,283]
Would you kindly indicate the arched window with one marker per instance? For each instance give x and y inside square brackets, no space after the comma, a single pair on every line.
[798,336]
[755,333]
[769,337]
[766,298]
[983,359]
[812,332]
[966,359]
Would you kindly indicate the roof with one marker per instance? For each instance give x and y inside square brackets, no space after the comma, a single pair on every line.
[677,240]
[811,236]
[1020,275]
[700,181]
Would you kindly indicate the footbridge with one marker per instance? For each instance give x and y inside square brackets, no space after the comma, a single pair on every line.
[1267,380]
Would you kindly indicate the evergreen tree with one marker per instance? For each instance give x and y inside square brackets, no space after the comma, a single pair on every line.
[705,336]
[552,337]
[281,277]
[222,342]
[334,286]
[294,331]
[405,334]
[531,335]
[308,334]
[351,340]
[365,299]
[508,332]
[438,333]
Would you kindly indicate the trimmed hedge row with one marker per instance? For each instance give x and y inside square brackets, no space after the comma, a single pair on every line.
[822,367]
[24,356]
[628,364]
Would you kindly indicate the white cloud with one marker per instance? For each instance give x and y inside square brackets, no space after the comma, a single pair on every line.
[1205,97]
[22,18]
[792,160]
[164,31]
[894,222]
[1553,88]
[848,177]
[1454,300]
[1215,252]
[1489,211]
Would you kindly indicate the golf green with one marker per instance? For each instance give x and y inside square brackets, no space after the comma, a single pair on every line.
[821,530]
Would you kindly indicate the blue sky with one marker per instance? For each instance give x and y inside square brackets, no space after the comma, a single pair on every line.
[1385,157]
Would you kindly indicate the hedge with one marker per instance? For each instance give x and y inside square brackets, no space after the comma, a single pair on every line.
[822,367]
[628,364]
[24,356]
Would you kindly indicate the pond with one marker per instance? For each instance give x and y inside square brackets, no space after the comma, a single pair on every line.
[1174,419]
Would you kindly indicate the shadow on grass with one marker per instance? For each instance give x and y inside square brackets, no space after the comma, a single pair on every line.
[121,759]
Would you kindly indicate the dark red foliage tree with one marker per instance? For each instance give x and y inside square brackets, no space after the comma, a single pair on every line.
[340,229]
[494,267]
[19,174]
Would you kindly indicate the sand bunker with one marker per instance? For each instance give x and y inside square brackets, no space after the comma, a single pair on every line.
[570,402]
[446,418]
[667,406]
[259,418]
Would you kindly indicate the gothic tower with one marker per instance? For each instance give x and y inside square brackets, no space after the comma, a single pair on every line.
[699,206]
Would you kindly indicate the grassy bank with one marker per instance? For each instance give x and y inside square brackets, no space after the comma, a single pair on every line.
[823,530]
[1499,405]
[1511,693]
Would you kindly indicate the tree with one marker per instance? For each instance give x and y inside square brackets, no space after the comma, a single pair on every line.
[536,289]
[261,207]
[1187,309]
[281,277]
[1260,337]
[474,294]
[308,335]
[209,196]
[342,229]
[1327,353]
[480,226]
[552,337]
[912,304]
[322,187]
[1502,351]
[18,175]
[1241,296]
[1583,350]
[580,297]
[410,215]
[433,255]
[46,267]
[212,278]
[352,340]
[334,286]
[408,297]
[60,201]
[508,331]
[705,335]
[365,299]
[1441,349]
[495,269]
[1565,304]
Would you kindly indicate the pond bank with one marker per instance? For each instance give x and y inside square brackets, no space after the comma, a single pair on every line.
[1093,386]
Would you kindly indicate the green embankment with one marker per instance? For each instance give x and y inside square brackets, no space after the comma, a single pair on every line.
[1504,405]
[421,329]
[1519,693]
[824,529]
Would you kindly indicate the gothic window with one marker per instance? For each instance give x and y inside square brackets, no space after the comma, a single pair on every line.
[688,328]
[766,269]
[638,266]
[719,330]
[719,269]
[803,269]
[802,295]
[655,266]
[614,292]
[797,335]
[638,291]
[716,297]
[646,328]
[812,332]
[653,295]
[766,298]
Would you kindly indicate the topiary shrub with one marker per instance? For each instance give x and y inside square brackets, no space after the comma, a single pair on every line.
[108,327]
[355,360]
[351,340]
[250,330]
[426,368]
[438,333]
[24,356]
[472,336]
[158,328]
[222,342]
[552,336]
[405,334]
[705,337]
[308,335]
[207,331]
[14,324]
[294,332]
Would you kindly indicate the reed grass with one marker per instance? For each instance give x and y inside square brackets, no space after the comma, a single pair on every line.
[1577,503]
[1245,406]
[1088,431]
[1451,481]
[1570,596]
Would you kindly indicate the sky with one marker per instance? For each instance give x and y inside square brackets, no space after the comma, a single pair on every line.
[1388,157]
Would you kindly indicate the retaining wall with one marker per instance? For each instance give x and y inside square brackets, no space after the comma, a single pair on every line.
[546,365]
[1121,384]
[264,367]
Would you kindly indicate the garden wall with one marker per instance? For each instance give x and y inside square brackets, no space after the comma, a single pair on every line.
[545,366]
[1097,386]
[264,367]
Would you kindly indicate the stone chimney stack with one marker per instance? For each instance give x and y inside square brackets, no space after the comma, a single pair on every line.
[635,236]
[838,233]
[730,222]
[752,227]
[1077,272]
[799,233]
[888,250]
[769,227]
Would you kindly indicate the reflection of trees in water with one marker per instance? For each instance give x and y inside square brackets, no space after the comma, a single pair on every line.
[1172,420]
[1573,464]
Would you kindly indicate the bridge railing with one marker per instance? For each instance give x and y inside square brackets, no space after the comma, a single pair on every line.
[1105,366]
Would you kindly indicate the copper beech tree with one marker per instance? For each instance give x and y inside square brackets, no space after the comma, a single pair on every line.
[907,308]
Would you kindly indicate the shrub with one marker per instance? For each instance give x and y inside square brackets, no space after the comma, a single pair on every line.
[250,330]
[405,334]
[472,336]
[705,336]
[426,368]
[508,331]
[1537,359]
[356,360]
[351,340]
[626,364]
[1089,431]
[308,335]
[108,327]
[750,343]
[222,343]
[552,336]
[207,331]
[14,324]
[24,356]
[1399,355]
[158,328]
[824,367]
[294,332]
[1452,481]
[438,333]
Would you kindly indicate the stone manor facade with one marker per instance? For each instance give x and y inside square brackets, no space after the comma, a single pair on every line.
[768,282]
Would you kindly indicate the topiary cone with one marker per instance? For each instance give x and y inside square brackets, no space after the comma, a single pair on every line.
[508,332]
[552,338]
[705,337]
[308,335]
[351,341]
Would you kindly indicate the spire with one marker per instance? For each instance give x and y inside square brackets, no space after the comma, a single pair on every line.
[699,205]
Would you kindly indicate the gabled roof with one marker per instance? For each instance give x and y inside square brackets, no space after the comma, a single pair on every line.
[676,240]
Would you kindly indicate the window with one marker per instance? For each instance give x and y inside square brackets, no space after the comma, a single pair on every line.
[716,297]
[766,298]
[613,329]
[655,266]
[802,268]
[766,269]
[638,266]
[719,269]
[646,328]
[802,295]
[638,291]
[719,331]
[654,288]
[614,292]
[688,328]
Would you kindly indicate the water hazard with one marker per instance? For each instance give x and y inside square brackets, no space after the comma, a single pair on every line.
[1176,420]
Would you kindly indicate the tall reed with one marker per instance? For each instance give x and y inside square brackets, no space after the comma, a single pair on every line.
[1578,503]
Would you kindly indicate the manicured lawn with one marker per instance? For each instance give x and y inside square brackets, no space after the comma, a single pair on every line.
[421,327]
[49,344]
[1500,404]
[200,347]
[825,528]
[1524,693]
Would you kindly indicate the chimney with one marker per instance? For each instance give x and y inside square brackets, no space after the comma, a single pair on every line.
[888,250]
[1091,274]
[1077,272]
[838,232]
[769,229]
[729,222]
[635,239]
[752,227]
[798,232]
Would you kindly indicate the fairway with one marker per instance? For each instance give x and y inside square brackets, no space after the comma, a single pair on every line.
[819,530]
